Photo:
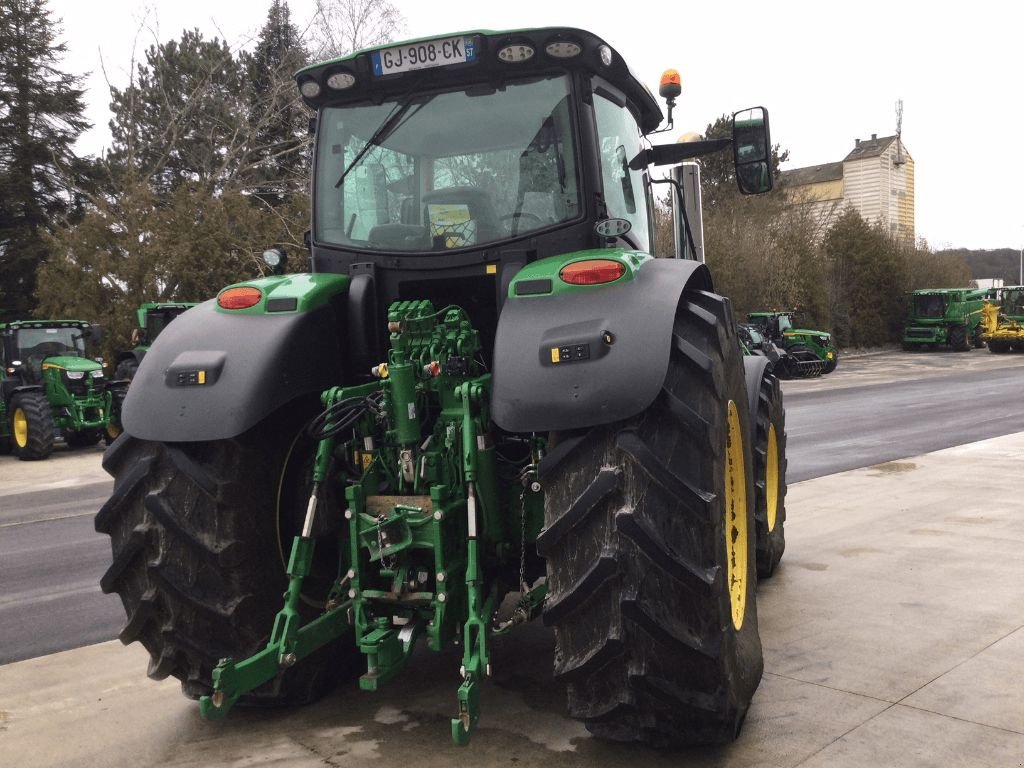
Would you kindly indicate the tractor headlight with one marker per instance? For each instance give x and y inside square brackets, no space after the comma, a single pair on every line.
[75,375]
[97,374]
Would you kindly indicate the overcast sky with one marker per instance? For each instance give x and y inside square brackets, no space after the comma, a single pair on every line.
[828,73]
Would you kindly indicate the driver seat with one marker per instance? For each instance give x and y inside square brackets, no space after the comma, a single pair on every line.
[460,216]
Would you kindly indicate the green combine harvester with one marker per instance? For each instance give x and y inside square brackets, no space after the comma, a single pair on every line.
[944,317]
[50,388]
[488,403]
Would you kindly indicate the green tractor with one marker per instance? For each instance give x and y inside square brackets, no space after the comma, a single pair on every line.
[49,387]
[153,317]
[945,316]
[488,403]
[806,353]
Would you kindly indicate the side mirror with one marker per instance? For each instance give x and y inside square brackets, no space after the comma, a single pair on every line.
[751,145]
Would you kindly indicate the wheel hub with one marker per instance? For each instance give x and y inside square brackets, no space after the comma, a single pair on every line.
[20,422]
[735,526]
[771,480]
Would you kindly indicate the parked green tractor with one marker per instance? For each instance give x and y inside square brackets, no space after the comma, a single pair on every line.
[49,387]
[806,353]
[153,317]
[487,403]
[944,316]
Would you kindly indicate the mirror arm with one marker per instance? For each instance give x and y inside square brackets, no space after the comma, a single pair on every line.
[673,154]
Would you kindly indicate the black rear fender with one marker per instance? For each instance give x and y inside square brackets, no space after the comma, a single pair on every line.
[615,343]
[213,374]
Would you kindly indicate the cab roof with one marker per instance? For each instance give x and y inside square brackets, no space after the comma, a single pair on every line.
[536,51]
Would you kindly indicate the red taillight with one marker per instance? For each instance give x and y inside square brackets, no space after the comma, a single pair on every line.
[592,272]
[240,298]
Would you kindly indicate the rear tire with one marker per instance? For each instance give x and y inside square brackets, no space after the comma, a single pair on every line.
[649,540]
[126,369]
[118,392]
[196,558]
[31,426]
[770,476]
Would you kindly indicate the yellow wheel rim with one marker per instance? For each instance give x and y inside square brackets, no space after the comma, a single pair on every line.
[736,518]
[20,428]
[771,478]
[113,430]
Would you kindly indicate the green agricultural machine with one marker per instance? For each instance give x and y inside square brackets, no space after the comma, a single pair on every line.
[944,316]
[49,387]
[805,353]
[153,317]
[488,403]
[1003,323]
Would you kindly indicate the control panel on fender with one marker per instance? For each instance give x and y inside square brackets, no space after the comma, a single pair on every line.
[576,350]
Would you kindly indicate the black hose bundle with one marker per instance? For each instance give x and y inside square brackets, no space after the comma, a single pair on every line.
[341,416]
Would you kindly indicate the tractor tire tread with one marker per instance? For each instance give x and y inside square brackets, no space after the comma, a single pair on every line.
[637,593]
[39,422]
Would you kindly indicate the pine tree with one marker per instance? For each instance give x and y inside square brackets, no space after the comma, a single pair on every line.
[278,119]
[183,118]
[40,119]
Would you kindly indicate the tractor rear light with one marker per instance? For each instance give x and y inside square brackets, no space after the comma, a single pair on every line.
[239,298]
[592,272]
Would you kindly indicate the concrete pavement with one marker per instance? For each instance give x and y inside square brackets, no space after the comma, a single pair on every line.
[893,635]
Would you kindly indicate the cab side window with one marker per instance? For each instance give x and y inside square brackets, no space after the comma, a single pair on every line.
[625,190]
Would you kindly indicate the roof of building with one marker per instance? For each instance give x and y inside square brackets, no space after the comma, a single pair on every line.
[872,147]
[814,174]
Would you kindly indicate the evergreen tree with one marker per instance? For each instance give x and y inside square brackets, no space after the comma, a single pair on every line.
[183,118]
[868,270]
[277,117]
[40,119]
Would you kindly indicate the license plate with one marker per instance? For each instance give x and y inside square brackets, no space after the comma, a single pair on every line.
[430,53]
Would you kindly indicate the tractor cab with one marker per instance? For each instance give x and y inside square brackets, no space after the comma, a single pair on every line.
[61,344]
[442,167]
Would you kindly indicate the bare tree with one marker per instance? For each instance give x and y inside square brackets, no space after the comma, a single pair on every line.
[340,27]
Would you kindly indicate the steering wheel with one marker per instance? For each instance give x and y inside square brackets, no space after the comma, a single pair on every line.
[515,218]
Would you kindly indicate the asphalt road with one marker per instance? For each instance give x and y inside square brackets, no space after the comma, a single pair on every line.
[884,407]
[872,409]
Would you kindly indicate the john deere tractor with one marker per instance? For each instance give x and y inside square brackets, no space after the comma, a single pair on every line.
[153,317]
[49,387]
[805,353]
[488,403]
